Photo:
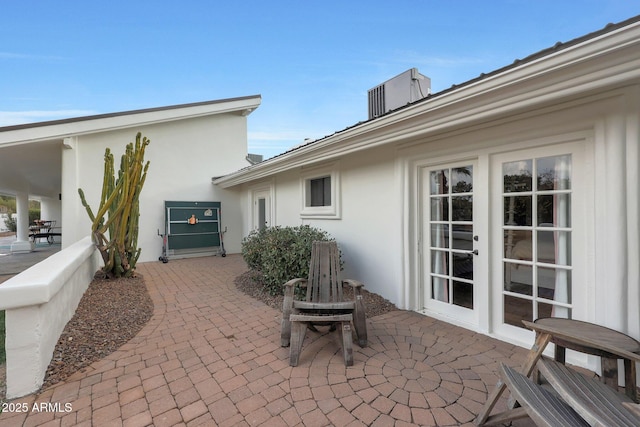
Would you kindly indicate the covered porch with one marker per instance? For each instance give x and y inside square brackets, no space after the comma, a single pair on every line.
[32,171]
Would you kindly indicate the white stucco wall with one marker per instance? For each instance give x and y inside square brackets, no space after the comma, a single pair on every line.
[39,302]
[4,217]
[370,221]
[378,225]
[369,224]
[183,155]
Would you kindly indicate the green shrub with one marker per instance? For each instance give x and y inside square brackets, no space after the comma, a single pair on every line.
[12,224]
[33,215]
[252,248]
[281,253]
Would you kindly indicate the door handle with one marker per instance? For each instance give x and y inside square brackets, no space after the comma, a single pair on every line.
[473,252]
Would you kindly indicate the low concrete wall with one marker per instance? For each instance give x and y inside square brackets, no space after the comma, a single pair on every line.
[39,302]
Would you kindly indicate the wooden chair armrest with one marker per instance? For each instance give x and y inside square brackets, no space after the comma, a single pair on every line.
[293,282]
[287,309]
[289,289]
[353,283]
[359,312]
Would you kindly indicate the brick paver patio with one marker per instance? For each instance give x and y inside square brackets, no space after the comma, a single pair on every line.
[211,356]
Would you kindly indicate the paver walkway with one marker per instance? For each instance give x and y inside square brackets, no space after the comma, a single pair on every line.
[211,356]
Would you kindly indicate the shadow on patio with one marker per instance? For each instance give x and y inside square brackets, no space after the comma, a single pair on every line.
[211,356]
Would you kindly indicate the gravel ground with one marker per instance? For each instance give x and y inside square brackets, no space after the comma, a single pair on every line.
[111,312]
[249,283]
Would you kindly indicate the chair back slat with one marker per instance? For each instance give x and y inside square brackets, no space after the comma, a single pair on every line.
[324,284]
[336,283]
[314,267]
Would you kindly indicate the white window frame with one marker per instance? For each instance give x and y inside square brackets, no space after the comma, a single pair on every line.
[331,211]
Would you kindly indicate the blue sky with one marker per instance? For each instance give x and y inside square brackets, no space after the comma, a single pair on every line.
[312,61]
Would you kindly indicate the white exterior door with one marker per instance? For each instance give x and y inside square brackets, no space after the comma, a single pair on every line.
[538,237]
[261,207]
[449,255]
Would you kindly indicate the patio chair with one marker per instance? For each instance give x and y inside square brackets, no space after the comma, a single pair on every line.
[324,304]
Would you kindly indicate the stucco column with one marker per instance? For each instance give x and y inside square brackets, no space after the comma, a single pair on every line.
[22,243]
[633,211]
[70,207]
[611,230]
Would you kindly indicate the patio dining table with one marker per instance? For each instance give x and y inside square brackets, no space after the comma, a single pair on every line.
[583,337]
[42,229]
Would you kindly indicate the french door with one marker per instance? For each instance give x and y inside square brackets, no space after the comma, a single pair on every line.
[539,240]
[449,256]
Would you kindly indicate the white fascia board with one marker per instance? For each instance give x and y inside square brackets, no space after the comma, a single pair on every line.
[81,126]
[605,61]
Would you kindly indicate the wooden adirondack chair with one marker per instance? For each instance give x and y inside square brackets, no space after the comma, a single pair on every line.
[324,304]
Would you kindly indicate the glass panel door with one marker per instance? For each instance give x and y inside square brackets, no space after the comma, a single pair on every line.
[448,237]
[262,213]
[537,234]
[261,209]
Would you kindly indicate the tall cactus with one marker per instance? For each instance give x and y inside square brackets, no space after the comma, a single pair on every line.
[120,200]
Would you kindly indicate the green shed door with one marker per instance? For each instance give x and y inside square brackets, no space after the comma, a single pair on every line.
[192,226]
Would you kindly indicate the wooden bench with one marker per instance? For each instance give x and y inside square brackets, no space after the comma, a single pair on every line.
[576,400]
[590,396]
[595,401]
[610,345]
[544,408]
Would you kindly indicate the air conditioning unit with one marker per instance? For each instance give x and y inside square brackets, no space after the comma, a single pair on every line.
[397,92]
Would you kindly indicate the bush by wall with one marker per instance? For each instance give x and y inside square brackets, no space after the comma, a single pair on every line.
[281,253]
[12,223]
[33,215]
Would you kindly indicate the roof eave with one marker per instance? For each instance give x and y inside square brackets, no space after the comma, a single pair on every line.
[60,129]
[469,102]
